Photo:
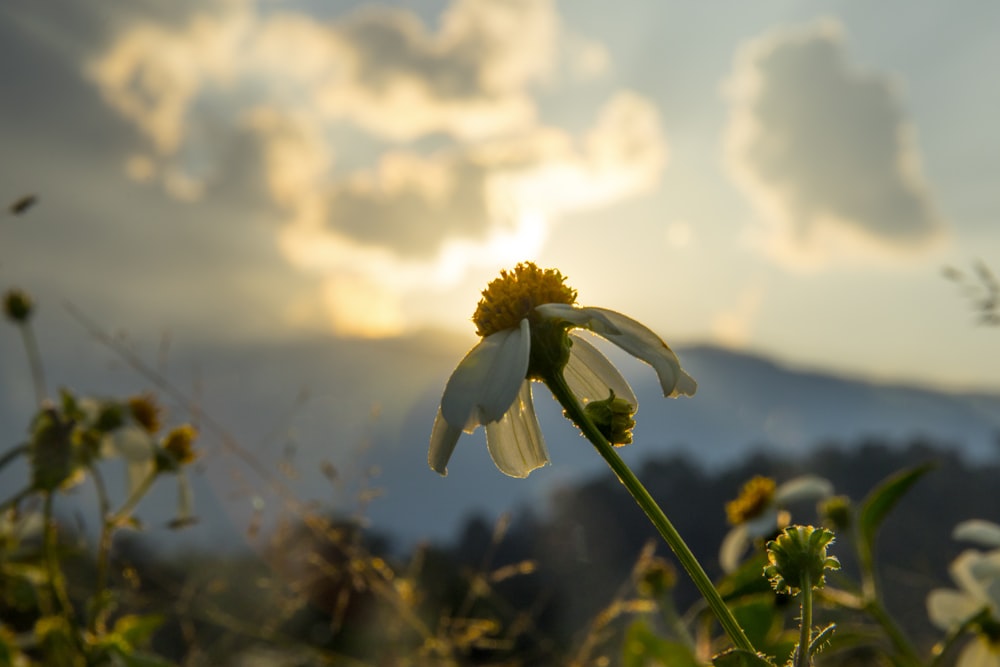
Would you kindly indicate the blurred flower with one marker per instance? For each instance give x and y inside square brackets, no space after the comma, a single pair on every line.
[17,306]
[985,533]
[179,448]
[973,606]
[523,319]
[146,412]
[761,509]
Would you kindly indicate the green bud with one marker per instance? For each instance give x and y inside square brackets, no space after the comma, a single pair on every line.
[17,306]
[657,579]
[837,512]
[613,418]
[799,555]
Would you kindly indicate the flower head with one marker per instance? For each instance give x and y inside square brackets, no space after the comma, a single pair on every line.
[525,319]
[761,509]
[797,558]
[146,412]
[17,306]
[975,605]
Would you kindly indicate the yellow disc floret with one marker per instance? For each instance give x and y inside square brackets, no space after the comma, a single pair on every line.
[754,497]
[513,296]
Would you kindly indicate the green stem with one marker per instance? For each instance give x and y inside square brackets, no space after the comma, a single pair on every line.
[103,553]
[35,361]
[126,509]
[49,545]
[899,640]
[576,414]
[942,647]
[805,623]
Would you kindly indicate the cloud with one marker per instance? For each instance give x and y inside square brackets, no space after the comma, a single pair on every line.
[825,152]
[399,216]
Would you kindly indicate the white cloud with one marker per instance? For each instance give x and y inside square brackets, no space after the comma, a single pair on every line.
[274,87]
[825,152]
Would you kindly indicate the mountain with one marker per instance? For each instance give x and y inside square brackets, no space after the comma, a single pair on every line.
[344,425]
[745,403]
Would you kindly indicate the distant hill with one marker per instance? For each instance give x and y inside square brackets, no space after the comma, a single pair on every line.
[745,403]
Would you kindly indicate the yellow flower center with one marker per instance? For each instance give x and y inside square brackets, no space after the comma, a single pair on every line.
[755,495]
[513,296]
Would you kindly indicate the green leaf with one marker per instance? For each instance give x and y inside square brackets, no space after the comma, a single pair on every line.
[137,630]
[747,579]
[880,502]
[738,657]
[643,648]
[757,616]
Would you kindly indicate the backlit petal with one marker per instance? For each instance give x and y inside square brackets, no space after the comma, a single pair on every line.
[444,437]
[734,545]
[486,381]
[805,487]
[980,531]
[978,653]
[515,442]
[590,375]
[634,338]
[949,608]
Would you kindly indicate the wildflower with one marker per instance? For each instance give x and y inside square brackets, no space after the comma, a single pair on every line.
[761,509]
[798,556]
[146,412]
[975,605]
[17,306]
[178,448]
[524,319]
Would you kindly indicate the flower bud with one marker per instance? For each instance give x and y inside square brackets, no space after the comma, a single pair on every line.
[17,306]
[613,418]
[798,555]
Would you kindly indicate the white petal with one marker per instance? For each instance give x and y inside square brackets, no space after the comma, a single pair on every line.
[805,487]
[733,547]
[949,608]
[486,381]
[765,524]
[982,532]
[444,437]
[136,448]
[977,574]
[978,653]
[515,442]
[634,338]
[590,375]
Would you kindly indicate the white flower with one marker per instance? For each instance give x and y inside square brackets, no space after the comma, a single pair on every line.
[978,577]
[491,385]
[763,510]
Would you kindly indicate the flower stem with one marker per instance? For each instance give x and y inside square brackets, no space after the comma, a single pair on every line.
[576,414]
[35,361]
[802,658]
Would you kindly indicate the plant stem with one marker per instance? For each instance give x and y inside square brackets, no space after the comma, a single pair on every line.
[577,415]
[802,658]
[56,582]
[137,493]
[35,361]
[899,641]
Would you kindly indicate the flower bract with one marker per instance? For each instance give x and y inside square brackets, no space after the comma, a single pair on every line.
[528,321]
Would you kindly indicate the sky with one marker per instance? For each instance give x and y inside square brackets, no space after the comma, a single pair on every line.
[784,178]
[788,178]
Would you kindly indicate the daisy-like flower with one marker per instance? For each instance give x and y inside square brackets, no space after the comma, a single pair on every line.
[525,320]
[974,606]
[761,509]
